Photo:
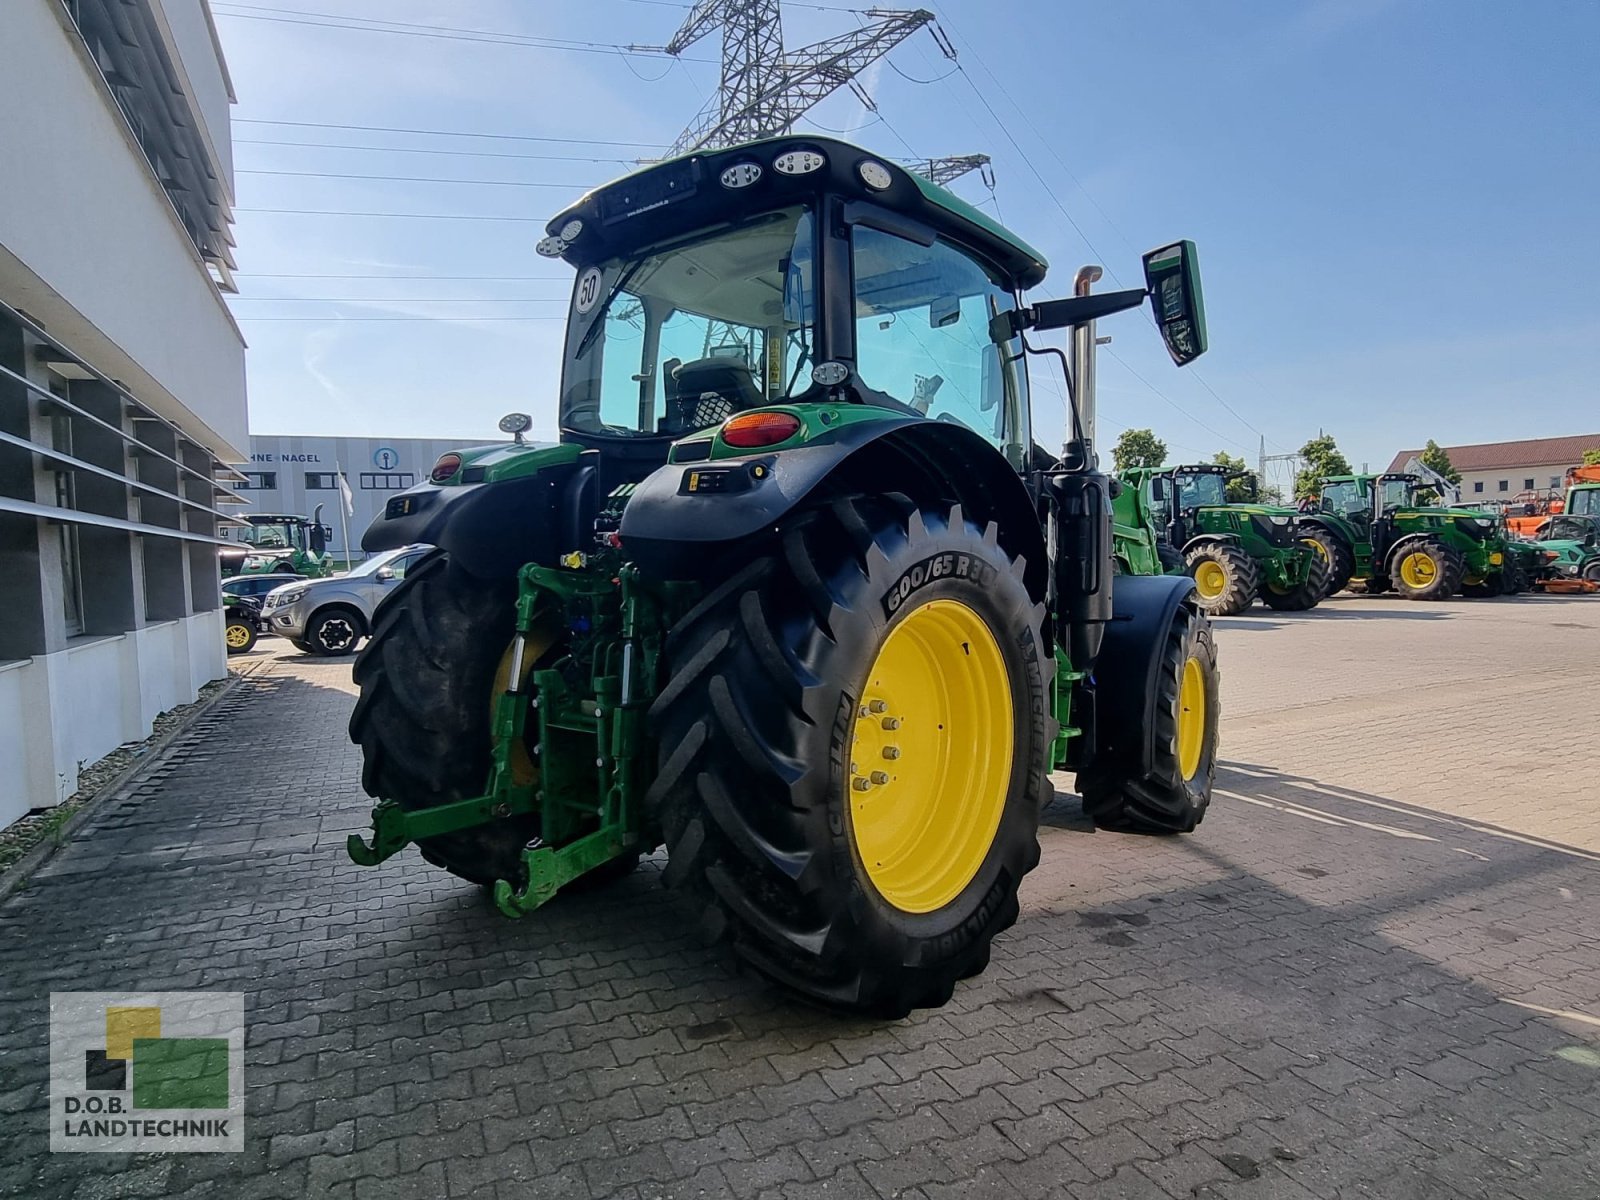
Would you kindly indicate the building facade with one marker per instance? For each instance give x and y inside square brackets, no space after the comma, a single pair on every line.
[1501,470]
[122,391]
[293,475]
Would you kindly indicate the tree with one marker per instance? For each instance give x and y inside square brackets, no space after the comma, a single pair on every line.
[1591,457]
[1138,448]
[1239,490]
[1322,458]
[1435,458]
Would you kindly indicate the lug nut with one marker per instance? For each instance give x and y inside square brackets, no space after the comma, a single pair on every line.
[891,722]
[860,784]
[877,706]
[891,751]
[879,777]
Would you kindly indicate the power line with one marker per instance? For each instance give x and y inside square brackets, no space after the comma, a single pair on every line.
[475,278]
[578,158]
[571,187]
[1174,405]
[320,20]
[339,212]
[406,299]
[430,320]
[461,133]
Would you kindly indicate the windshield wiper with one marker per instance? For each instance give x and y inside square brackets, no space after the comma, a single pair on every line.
[600,312]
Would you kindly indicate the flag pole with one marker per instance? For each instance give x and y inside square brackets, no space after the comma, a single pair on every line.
[344,509]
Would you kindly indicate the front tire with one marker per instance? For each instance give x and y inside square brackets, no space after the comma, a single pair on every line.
[1308,593]
[333,634]
[1341,559]
[1426,569]
[427,678]
[1172,797]
[853,738]
[240,636]
[1226,579]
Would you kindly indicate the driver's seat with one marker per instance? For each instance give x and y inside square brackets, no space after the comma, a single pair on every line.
[706,392]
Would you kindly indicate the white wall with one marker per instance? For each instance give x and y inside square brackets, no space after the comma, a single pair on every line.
[1515,478]
[192,42]
[89,244]
[70,709]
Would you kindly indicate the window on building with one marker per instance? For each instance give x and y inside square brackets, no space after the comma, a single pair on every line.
[1527,485]
[1505,485]
[257,481]
[379,481]
[71,555]
[1555,481]
[322,481]
[1478,486]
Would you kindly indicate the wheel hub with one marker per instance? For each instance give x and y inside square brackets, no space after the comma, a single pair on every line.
[930,756]
[336,634]
[1418,569]
[1210,580]
[1191,717]
[237,635]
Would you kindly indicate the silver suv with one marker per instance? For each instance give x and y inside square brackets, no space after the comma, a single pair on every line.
[329,616]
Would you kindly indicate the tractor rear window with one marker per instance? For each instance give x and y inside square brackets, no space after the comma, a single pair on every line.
[1586,501]
[682,338]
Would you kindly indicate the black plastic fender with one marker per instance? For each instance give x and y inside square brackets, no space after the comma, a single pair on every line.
[1124,676]
[676,533]
[492,529]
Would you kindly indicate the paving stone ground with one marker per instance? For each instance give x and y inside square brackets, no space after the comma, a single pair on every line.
[1373,972]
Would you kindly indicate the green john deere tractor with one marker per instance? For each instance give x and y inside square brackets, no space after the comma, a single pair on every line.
[1234,551]
[271,543]
[1137,546]
[797,594]
[1375,530]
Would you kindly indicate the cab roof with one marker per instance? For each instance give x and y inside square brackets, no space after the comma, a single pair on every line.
[664,189]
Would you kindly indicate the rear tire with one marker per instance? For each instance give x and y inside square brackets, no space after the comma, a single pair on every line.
[1425,569]
[1172,797]
[1226,578]
[1592,571]
[427,679]
[769,746]
[1309,592]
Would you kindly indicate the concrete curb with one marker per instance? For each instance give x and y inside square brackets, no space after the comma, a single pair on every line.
[16,876]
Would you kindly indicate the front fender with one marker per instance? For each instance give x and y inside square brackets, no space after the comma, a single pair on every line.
[684,515]
[1124,677]
[1212,539]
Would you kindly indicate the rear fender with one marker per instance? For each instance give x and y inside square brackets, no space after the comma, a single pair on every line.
[1124,677]
[678,527]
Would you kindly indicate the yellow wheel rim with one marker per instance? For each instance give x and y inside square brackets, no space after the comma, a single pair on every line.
[238,636]
[930,756]
[1210,580]
[1418,569]
[1322,551]
[1191,717]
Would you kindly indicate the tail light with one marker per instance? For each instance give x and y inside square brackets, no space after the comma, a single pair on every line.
[749,430]
[447,466]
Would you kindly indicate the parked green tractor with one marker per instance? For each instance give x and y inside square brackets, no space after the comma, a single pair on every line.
[271,543]
[1138,547]
[1565,548]
[1234,551]
[797,594]
[1376,531]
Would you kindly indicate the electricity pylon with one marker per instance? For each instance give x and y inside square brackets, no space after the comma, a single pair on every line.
[952,167]
[764,88]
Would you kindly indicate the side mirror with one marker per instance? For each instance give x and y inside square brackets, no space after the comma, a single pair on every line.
[319,539]
[385,574]
[1172,274]
[1158,490]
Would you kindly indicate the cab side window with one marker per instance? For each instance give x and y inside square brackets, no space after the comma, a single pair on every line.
[923,317]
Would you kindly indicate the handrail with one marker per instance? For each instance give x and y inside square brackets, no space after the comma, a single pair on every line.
[73,516]
[50,454]
[128,397]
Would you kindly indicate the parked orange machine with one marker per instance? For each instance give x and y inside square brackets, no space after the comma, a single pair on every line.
[1524,516]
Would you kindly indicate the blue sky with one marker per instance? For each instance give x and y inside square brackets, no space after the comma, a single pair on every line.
[1386,195]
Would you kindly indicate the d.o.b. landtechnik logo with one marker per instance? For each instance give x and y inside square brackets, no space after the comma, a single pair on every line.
[146,1071]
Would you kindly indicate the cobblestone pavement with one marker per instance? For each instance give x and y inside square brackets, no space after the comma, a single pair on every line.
[1371,973]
